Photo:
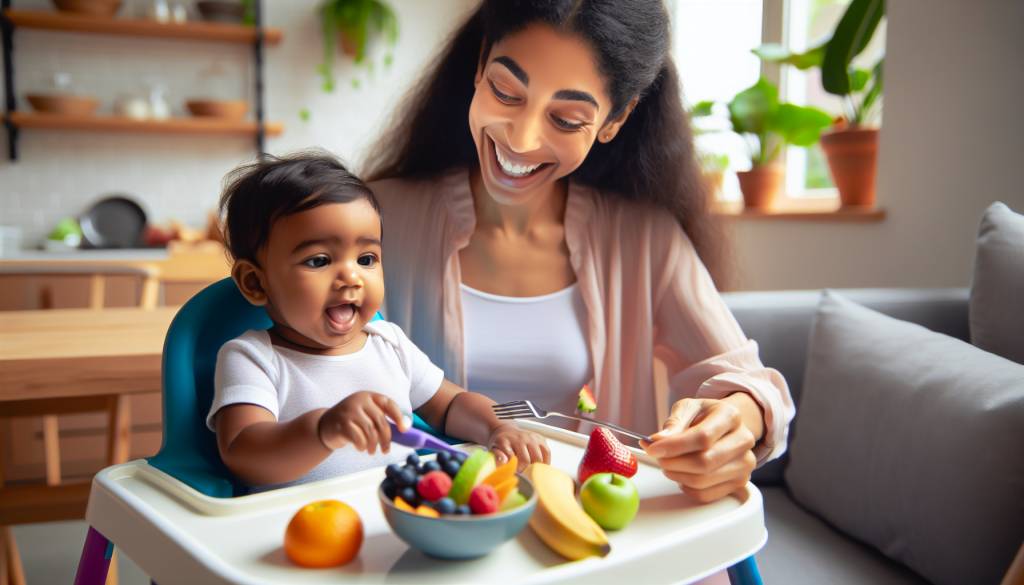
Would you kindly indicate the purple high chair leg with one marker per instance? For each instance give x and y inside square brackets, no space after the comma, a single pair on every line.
[95,561]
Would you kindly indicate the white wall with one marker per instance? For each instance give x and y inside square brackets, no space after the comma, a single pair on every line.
[952,142]
[178,177]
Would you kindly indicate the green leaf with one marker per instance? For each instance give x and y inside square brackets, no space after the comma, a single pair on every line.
[873,94]
[799,125]
[702,108]
[858,79]
[752,108]
[775,53]
[852,34]
[304,114]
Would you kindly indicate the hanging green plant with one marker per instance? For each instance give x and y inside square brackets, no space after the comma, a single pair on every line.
[355,25]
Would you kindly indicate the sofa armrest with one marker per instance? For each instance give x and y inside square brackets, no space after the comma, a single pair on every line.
[781,321]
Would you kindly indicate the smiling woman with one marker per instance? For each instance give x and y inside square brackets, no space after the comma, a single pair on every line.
[547,228]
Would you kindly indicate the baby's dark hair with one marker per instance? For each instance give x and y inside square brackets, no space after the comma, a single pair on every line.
[258,194]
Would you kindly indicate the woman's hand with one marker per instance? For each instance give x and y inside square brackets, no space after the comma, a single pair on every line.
[360,419]
[508,439]
[710,458]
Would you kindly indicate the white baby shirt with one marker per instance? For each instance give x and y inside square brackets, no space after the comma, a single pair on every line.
[290,383]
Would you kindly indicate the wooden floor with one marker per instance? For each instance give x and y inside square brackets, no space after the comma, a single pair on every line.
[50,552]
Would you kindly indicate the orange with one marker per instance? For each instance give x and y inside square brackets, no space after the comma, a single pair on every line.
[503,472]
[323,534]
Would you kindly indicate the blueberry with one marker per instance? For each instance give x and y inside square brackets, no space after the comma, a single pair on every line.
[410,496]
[443,457]
[429,466]
[463,510]
[413,459]
[407,478]
[451,468]
[390,488]
[445,506]
[393,470]
[461,457]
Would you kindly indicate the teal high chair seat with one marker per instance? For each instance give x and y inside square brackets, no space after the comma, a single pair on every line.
[216,315]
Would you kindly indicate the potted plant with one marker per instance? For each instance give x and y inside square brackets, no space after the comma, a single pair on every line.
[851,146]
[767,126]
[354,25]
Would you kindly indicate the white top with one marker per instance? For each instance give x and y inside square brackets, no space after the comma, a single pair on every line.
[290,383]
[527,348]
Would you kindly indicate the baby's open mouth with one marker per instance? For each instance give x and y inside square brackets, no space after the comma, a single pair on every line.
[342,316]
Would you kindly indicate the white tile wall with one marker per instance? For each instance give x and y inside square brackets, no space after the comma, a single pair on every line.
[59,173]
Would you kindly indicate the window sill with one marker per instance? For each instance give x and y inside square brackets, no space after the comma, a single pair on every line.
[805,209]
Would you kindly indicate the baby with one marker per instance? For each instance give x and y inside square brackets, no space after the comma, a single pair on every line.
[310,398]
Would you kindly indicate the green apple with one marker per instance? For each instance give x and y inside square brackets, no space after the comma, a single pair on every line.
[610,499]
[64,228]
[478,466]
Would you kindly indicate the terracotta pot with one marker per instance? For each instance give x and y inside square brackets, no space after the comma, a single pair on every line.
[853,161]
[713,180]
[348,44]
[761,186]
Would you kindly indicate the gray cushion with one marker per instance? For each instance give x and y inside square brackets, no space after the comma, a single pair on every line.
[803,550]
[997,293]
[780,322]
[911,441]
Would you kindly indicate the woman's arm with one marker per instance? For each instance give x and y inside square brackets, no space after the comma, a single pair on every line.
[468,415]
[730,411]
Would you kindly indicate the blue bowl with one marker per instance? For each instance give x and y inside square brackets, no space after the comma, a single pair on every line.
[459,537]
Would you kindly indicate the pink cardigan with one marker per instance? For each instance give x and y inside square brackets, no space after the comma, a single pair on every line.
[645,289]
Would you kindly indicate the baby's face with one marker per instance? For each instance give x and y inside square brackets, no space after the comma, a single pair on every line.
[324,276]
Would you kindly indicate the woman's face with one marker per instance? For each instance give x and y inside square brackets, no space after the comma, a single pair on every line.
[540,104]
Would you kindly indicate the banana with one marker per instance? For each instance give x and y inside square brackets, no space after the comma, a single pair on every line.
[559,520]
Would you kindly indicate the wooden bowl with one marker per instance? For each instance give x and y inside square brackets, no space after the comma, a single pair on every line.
[65,104]
[220,11]
[229,109]
[89,7]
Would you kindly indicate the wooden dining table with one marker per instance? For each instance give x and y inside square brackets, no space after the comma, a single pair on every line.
[65,353]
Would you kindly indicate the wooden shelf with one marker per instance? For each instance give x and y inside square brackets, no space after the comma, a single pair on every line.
[808,209]
[121,124]
[211,31]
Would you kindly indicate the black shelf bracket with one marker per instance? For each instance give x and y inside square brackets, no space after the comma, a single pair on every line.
[261,135]
[10,105]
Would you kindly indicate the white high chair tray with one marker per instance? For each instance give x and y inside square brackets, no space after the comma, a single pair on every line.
[178,535]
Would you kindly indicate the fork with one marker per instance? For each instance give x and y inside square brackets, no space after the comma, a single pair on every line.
[527,409]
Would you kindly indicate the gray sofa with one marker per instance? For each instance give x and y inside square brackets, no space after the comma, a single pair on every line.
[801,547]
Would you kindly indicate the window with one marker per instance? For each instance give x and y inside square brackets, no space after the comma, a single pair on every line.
[712,42]
[807,23]
[711,46]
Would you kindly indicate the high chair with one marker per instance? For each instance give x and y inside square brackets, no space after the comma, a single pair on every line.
[189,453]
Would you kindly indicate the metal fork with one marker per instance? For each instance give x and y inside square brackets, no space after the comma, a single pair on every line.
[527,409]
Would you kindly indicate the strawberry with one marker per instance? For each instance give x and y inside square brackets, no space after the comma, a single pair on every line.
[605,454]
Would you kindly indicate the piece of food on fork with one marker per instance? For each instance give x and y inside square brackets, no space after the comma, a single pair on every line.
[527,409]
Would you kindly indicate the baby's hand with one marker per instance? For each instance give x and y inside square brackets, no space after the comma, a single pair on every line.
[528,447]
[360,420]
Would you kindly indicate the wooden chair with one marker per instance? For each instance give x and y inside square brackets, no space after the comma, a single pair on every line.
[57,500]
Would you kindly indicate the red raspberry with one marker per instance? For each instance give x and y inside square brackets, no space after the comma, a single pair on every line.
[484,499]
[434,486]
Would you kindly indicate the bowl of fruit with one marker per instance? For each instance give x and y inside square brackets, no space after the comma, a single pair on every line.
[457,506]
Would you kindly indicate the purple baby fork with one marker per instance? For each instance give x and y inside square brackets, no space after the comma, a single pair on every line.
[418,439]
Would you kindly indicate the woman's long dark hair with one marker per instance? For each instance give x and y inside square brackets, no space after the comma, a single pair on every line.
[651,160]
